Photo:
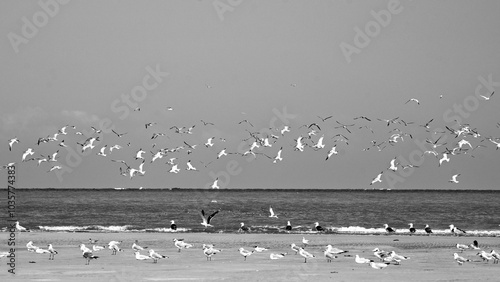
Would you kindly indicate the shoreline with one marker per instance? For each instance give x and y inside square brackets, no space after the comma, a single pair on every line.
[353,230]
[431,257]
[464,190]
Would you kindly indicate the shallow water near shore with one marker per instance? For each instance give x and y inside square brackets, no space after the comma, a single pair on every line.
[338,211]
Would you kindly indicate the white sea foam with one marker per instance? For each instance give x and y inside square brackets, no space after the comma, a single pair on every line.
[363,230]
[112,228]
[266,229]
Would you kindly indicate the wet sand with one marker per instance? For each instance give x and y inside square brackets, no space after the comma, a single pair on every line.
[431,258]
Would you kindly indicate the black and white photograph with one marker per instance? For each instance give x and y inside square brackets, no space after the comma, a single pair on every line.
[249,140]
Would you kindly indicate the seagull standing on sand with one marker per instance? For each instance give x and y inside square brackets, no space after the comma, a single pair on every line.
[88,256]
[115,249]
[460,260]
[155,256]
[245,253]
[306,255]
[52,252]
[486,256]
[335,251]
[209,251]
[329,255]
[113,246]
[180,244]
[495,255]
[206,221]
[305,242]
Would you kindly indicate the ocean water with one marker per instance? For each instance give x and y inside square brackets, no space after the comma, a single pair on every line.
[339,211]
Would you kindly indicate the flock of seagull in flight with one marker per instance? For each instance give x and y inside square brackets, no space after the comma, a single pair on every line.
[265,143]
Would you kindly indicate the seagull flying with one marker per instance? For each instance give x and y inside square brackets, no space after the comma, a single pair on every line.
[29,151]
[413,100]
[487,97]
[454,178]
[272,214]
[215,184]
[377,179]
[12,142]
[206,220]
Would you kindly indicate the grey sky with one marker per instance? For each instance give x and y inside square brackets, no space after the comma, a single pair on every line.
[249,60]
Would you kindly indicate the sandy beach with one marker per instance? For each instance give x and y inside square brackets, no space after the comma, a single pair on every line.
[431,258]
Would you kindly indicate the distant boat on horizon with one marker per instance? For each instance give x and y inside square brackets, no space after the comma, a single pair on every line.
[118,188]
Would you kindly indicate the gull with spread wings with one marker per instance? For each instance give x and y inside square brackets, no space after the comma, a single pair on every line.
[206,220]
